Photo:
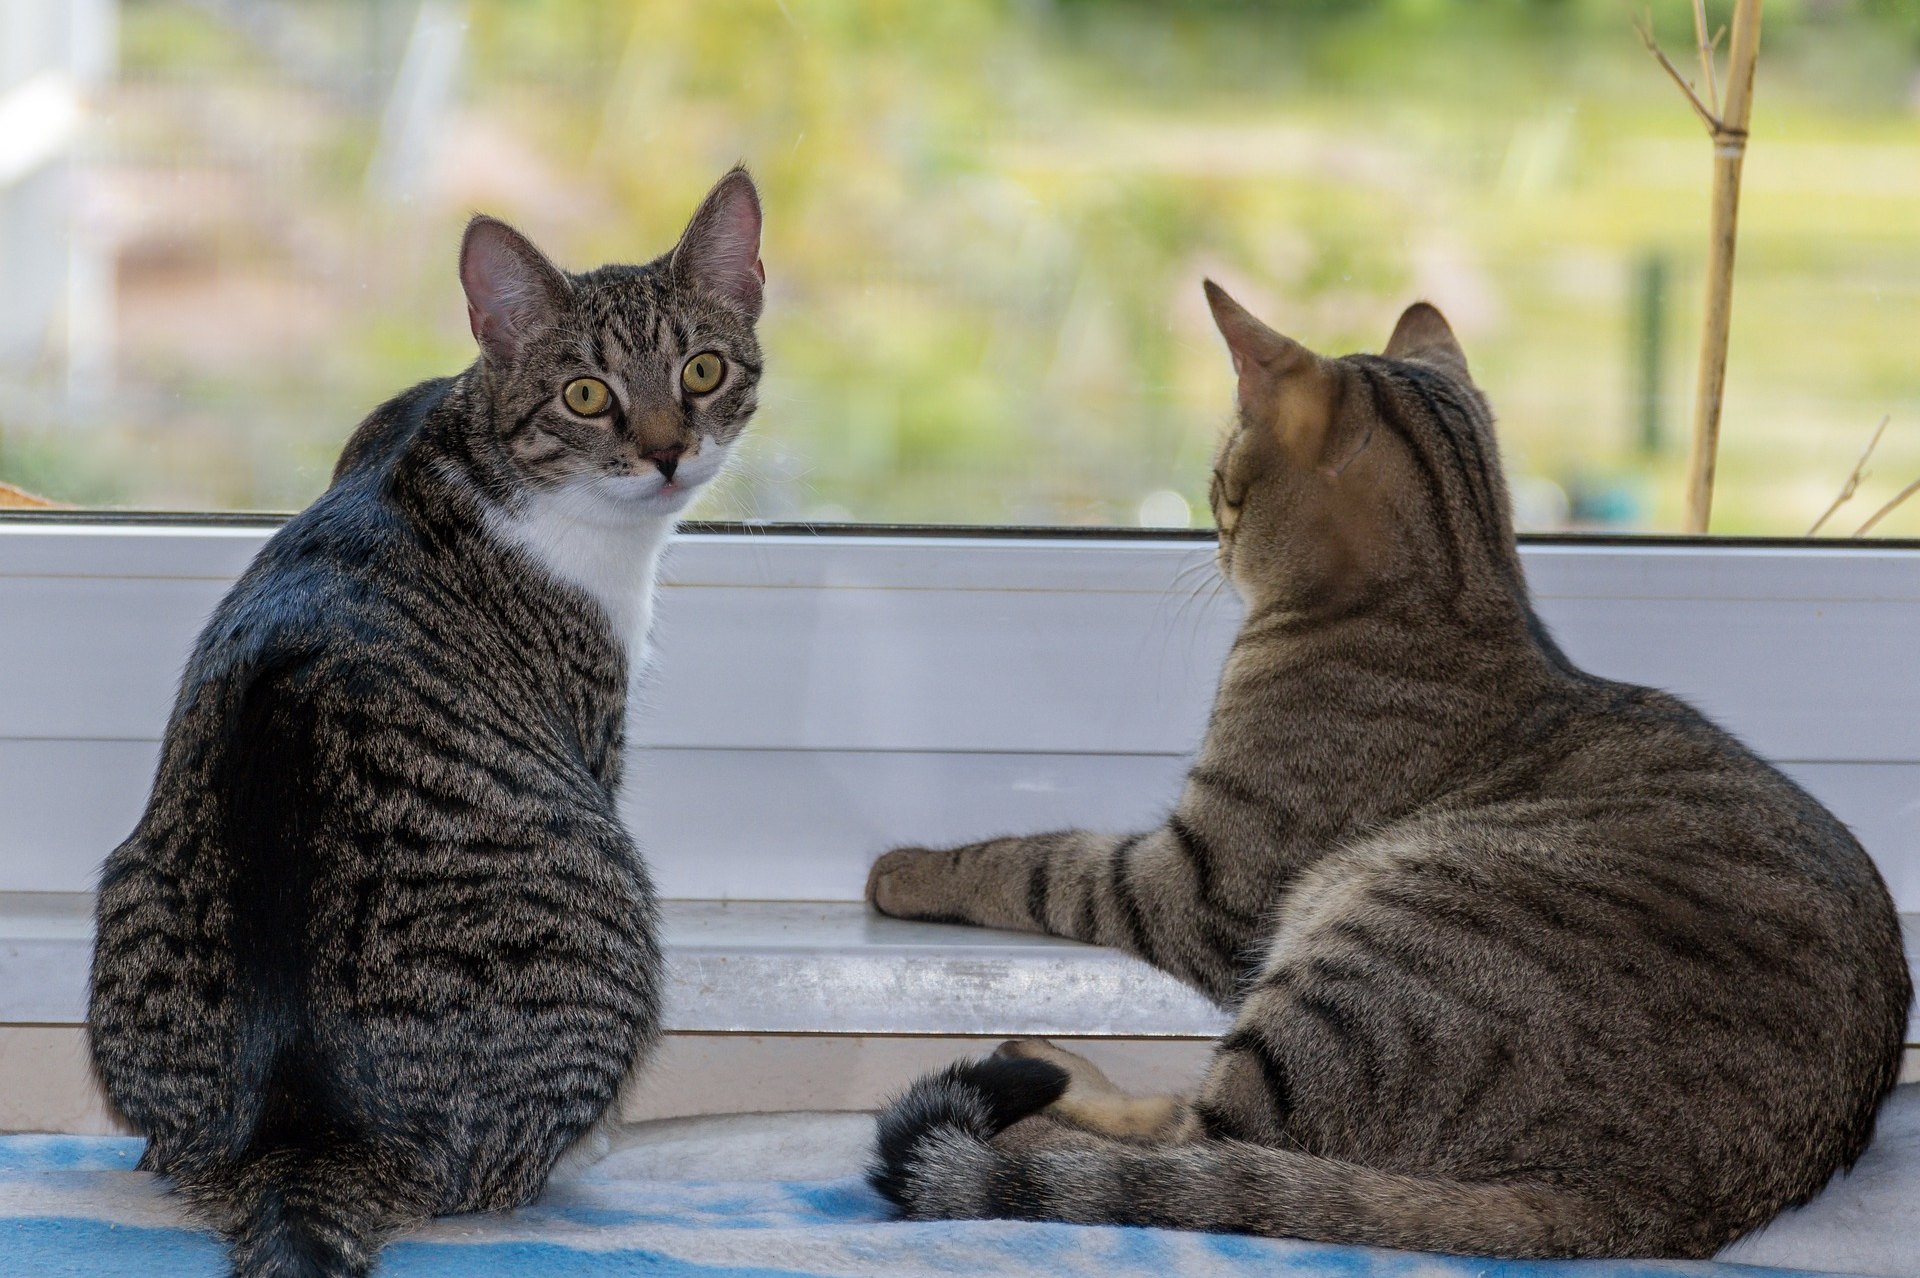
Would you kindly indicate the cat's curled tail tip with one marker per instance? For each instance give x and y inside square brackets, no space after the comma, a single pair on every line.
[969,1100]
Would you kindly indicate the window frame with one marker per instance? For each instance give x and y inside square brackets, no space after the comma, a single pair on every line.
[1103,658]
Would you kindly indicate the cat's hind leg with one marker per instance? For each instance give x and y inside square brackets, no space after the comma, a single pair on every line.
[1244,1095]
[1092,1102]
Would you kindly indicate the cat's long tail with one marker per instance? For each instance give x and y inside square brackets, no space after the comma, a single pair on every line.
[291,1213]
[934,1162]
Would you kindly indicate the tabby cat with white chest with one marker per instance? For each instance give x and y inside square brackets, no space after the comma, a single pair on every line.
[1523,961]
[380,947]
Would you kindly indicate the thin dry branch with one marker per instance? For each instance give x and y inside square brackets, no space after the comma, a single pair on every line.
[1858,473]
[1706,44]
[1888,509]
[1644,25]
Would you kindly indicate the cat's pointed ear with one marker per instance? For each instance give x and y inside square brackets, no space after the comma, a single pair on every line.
[1423,335]
[513,290]
[1257,350]
[1282,384]
[719,253]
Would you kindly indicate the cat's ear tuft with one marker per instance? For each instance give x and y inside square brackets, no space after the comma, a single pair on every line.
[513,290]
[1424,335]
[719,253]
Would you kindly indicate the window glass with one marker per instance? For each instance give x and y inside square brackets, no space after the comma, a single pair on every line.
[227,229]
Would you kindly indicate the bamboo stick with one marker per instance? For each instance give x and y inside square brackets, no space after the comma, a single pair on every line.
[1729,154]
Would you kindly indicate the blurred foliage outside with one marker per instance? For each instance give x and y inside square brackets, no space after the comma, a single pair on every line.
[987,225]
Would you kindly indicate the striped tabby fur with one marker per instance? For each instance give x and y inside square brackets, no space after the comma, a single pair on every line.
[379,947]
[1524,961]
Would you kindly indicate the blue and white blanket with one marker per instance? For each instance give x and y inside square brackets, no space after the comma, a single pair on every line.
[759,1196]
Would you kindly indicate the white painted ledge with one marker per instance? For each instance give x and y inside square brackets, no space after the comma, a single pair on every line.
[760,967]
[777,967]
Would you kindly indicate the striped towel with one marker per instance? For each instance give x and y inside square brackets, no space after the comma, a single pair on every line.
[769,1203]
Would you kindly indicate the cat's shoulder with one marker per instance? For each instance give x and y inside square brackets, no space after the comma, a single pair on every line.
[313,587]
[379,440]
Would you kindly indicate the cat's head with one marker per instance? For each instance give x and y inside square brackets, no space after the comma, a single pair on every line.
[1346,478]
[621,389]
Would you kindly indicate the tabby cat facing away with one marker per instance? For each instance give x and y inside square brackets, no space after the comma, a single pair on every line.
[379,948]
[1523,961]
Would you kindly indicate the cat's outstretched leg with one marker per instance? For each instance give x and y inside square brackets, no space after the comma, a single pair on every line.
[1015,883]
[1155,895]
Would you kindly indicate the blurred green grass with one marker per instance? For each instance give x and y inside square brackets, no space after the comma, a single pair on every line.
[988,221]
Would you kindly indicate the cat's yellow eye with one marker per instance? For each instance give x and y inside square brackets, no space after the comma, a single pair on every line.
[588,396]
[702,372]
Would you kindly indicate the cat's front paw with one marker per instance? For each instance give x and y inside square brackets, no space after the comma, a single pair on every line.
[906,883]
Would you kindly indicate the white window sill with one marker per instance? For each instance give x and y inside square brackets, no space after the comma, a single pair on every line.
[760,967]
[777,967]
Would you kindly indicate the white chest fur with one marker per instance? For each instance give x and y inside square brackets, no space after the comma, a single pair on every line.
[610,554]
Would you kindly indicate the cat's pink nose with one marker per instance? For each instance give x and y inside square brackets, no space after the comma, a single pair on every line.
[667,459]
